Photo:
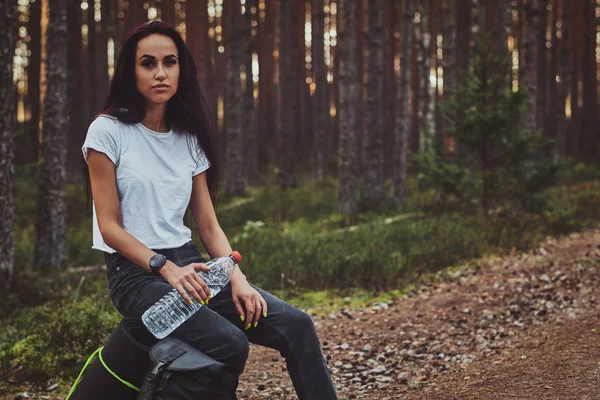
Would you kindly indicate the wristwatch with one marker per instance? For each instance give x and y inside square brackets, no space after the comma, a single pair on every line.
[157,261]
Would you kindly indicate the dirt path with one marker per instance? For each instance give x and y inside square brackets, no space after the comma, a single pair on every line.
[525,326]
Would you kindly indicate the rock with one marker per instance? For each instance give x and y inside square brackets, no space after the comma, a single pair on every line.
[52,387]
[23,395]
[367,348]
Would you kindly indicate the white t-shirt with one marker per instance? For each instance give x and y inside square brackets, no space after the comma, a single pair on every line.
[154,179]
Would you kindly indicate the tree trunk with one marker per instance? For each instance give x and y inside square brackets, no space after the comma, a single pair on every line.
[531,49]
[564,85]
[287,95]
[542,63]
[135,15]
[373,176]
[449,57]
[51,250]
[91,68]
[168,11]
[501,28]
[551,110]
[319,99]
[590,129]
[427,90]
[249,115]
[414,102]
[349,106]
[389,87]
[235,182]
[8,21]
[34,30]
[77,119]
[102,83]
[463,27]
[266,87]
[402,116]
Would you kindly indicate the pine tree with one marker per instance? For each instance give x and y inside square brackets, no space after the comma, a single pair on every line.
[348,106]
[287,95]
[373,176]
[8,20]
[235,182]
[319,102]
[402,116]
[51,222]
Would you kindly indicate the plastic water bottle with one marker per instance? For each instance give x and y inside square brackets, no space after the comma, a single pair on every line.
[164,316]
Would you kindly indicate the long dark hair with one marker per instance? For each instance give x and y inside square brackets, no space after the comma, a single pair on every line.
[187,111]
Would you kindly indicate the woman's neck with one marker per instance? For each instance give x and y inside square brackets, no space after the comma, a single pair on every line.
[155,117]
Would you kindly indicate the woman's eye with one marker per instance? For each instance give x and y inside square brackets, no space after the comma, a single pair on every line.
[171,62]
[147,64]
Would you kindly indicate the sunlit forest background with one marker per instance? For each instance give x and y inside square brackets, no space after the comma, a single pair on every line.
[366,143]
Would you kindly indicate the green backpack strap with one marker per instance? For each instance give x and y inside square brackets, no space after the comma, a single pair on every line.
[89,360]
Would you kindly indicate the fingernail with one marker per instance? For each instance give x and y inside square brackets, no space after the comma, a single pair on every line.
[265,315]
[255,324]
[201,302]
[191,302]
[248,327]
[242,318]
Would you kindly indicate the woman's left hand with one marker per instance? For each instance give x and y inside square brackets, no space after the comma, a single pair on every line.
[248,302]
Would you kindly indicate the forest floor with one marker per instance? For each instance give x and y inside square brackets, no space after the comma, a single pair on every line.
[522,326]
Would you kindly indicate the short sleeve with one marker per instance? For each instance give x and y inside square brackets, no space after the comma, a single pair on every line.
[102,136]
[202,163]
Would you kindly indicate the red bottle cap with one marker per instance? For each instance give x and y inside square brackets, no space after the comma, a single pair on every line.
[236,256]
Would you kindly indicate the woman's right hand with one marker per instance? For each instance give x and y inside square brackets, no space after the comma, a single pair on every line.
[186,278]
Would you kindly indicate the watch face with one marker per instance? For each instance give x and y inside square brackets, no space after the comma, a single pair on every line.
[157,261]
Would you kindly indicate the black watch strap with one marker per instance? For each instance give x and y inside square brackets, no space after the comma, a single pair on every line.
[157,261]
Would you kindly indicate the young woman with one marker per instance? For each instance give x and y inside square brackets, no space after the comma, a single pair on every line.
[150,154]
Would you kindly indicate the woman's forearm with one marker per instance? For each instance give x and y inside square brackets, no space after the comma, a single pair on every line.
[216,244]
[128,246]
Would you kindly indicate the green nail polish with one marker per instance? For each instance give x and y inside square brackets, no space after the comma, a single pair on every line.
[265,315]
[191,302]
[242,318]
[255,324]
[248,327]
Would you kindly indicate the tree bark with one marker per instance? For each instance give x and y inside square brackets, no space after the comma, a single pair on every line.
[51,249]
[449,57]
[249,115]
[373,176]
[235,182]
[168,11]
[590,129]
[564,85]
[267,108]
[34,30]
[349,106]
[8,21]
[551,110]
[463,27]
[542,64]
[501,28]
[135,15]
[77,119]
[319,100]
[287,95]
[531,49]
[402,116]
[427,90]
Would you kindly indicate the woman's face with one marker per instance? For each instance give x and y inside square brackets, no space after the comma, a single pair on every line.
[157,68]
